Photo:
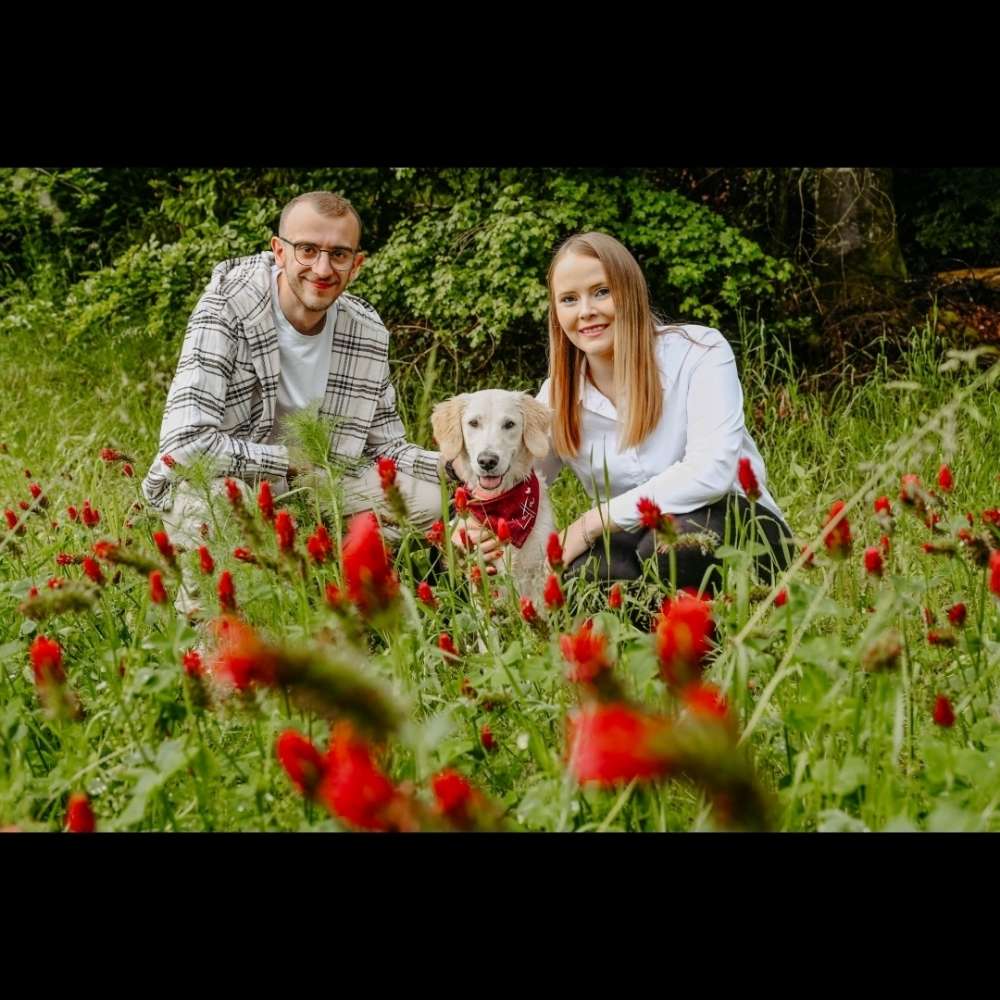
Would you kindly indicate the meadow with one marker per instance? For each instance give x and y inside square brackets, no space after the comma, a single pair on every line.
[336,691]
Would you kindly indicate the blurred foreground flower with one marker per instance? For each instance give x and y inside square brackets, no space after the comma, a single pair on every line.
[838,539]
[371,583]
[683,638]
[79,815]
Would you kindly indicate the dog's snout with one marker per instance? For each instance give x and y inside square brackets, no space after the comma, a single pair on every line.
[488,460]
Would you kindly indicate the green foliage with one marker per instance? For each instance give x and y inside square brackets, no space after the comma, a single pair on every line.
[457,256]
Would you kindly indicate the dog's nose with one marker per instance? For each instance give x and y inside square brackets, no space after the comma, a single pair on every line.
[488,460]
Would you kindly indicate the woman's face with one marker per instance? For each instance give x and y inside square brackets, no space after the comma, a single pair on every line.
[584,307]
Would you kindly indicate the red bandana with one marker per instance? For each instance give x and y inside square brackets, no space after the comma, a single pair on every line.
[518,506]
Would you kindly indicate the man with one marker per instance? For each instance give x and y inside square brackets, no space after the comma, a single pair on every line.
[272,334]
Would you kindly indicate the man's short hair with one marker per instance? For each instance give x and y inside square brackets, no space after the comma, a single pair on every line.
[326,203]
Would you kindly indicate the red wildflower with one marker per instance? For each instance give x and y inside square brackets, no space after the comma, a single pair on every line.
[92,570]
[991,516]
[32,593]
[79,815]
[882,506]
[436,533]
[284,528]
[706,701]
[425,595]
[157,594]
[193,665]
[503,530]
[23,504]
[386,472]
[884,544]
[486,738]
[89,515]
[611,743]
[461,499]
[553,594]
[455,796]
[164,546]
[838,541]
[333,596]
[781,598]
[683,638]
[233,493]
[944,714]
[748,480]
[72,513]
[586,653]
[553,550]
[35,490]
[54,582]
[941,637]
[206,560]
[928,616]
[368,575]
[994,570]
[11,519]
[353,787]
[302,762]
[910,488]
[318,544]
[127,470]
[447,645]
[957,613]
[945,479]
[649,513]
[241,657]
[110,455]
[615,597]
[46,661]
[168,460]
[103,549]
[528,612]
[227,592]
[265,501]
[873,561]
[244,555]
[476,576]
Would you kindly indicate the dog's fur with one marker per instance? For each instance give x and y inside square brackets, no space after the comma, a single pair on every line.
[492,439]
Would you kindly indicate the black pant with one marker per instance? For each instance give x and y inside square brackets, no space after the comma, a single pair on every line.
[718,523]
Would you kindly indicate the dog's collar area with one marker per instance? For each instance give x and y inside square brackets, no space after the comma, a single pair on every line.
[518,507]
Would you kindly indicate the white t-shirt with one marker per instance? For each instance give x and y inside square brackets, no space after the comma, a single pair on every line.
[690,458]
[304,363]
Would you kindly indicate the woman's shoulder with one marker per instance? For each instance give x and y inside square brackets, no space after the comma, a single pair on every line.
[686,344]
[677,335]
[543,393]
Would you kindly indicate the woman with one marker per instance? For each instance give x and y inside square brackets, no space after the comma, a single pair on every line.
[650,411]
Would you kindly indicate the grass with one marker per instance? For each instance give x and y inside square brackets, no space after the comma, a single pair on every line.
[829,744]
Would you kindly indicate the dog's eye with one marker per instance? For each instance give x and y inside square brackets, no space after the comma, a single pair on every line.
[507,424]
[473,423]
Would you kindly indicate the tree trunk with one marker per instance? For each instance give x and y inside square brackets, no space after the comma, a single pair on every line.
[858,259]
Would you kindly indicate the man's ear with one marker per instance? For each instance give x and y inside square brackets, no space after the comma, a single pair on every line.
[446,421]
[278,249]
[353,273]
[537,419]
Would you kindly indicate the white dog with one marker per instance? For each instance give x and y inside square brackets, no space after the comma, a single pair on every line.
[492,438]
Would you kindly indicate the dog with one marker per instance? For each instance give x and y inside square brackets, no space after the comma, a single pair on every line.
[492,438]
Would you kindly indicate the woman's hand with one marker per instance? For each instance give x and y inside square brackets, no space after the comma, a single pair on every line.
[583,533]
[478,535]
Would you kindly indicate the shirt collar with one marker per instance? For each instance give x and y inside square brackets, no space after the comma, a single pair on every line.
[592,399]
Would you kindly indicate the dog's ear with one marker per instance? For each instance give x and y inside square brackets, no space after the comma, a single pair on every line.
[537,418]
[446,421]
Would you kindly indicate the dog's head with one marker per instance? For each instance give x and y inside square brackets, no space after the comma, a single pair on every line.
[492,437]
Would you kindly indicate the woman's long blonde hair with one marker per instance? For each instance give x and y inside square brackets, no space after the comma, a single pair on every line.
[638,391]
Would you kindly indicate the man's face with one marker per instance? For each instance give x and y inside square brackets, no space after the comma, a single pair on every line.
[318,285]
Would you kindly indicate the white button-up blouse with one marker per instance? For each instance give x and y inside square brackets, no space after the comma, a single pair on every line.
[690,458]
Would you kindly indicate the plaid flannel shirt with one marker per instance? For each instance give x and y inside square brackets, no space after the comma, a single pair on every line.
[222,400]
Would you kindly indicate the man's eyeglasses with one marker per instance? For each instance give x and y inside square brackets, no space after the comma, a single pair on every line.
[341,258]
